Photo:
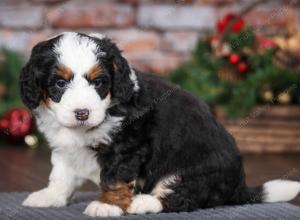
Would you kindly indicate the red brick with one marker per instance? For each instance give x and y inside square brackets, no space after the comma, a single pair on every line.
[134,40]
[14,40]
[48,1]
[155,62]
[86,14]
[37,37]
[182,42]
[176,17]
[216,2]
[133,2]
[271,15]
[175,2]
[13,2]
[278,17]
[21,17]
[292,2]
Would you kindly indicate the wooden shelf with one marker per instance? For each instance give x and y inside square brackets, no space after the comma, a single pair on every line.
[265,129]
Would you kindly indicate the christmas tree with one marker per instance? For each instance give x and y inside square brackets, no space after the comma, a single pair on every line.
[236,69]
[10,67]
[16,123]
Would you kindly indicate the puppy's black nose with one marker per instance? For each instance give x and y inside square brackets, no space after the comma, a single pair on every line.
[82,114]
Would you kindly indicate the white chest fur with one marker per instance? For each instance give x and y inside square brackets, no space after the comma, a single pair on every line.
[72,145]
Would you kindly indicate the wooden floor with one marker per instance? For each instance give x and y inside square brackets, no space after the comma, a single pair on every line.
[24,169]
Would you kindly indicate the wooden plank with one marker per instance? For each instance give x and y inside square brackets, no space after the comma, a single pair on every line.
[269,140]
[295,124]
[265,131]
[267,148]
[266,111]
[278,111]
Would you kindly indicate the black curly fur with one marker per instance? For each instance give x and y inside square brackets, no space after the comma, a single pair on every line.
[35,78]
[166,131]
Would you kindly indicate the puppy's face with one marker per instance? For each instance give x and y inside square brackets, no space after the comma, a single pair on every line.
[78,84]
[77,77]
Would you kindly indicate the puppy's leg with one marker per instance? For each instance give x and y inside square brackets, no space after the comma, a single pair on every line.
[114,201]
[154,202]
[62,184]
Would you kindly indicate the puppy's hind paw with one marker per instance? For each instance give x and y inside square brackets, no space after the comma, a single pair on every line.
[144,203]
[97,208]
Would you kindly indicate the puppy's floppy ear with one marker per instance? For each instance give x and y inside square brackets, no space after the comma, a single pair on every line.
[122,87]
[42,59]
[31,93]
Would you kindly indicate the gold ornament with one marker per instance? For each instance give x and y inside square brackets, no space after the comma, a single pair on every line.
[294,43]
[31,140]
[284,98]
[267,95]
[281,42]
[291,41]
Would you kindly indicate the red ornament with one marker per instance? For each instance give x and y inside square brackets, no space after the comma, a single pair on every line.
[4,124]
[265,43]
[242,67]
[223,23]
[234,58]
[16,123]
[238,25]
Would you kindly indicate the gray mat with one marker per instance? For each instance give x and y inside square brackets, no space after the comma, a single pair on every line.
[10,208]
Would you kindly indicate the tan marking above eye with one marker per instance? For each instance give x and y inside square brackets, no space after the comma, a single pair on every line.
[94,72]
[64,72]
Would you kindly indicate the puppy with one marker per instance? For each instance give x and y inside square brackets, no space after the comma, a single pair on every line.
[150,146]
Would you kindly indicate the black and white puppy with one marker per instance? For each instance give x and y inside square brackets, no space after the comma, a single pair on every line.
[150,146]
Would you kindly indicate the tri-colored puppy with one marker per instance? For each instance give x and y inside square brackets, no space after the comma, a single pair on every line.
[150,146]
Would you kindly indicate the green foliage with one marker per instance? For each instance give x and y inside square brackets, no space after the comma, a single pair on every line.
[9,77]
[199,76]
[191,75]
[189,78]
[238,41]
[246,93]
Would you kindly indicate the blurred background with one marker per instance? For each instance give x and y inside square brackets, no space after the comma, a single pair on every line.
[242,57]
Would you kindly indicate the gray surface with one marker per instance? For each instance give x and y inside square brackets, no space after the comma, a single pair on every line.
[10,208]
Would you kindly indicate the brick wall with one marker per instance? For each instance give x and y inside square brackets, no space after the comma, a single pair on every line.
[155,35]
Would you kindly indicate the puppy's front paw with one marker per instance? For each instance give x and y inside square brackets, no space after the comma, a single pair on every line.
[45,198]
[97,208]
[144,203]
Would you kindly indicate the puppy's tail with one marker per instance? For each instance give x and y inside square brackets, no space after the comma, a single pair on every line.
[280,190]
[271,191]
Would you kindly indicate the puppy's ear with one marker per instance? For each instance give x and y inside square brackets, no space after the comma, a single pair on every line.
[32,84]
[122,85]
[31,93]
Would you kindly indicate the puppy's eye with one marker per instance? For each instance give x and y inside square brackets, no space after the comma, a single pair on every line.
[61,83]
[97,83]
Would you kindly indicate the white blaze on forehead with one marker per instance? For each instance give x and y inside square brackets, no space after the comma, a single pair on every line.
[76,52]
[54,36]
[97,35]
